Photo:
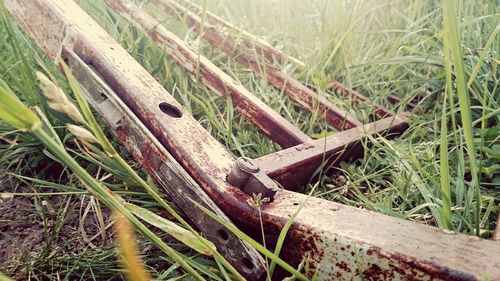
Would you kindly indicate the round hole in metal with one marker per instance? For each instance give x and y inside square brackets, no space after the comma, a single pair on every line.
[223,234]
[170,110]
[247,263]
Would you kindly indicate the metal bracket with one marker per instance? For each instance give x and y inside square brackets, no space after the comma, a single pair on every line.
[246,175]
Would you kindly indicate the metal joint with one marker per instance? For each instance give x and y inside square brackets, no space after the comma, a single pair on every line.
[247,176]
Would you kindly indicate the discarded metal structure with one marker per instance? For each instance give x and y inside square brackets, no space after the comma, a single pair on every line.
[340,242]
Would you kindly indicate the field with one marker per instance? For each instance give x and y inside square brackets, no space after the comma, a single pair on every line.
[444,171]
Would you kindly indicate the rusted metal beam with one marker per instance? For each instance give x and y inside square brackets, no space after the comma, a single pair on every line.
[295,166]
[252,42]
[163,168]
[270,122]
[306,97]
[338,241]
[274,55]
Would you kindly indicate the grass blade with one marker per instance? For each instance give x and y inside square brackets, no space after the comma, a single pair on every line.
[451,34]
[186,237]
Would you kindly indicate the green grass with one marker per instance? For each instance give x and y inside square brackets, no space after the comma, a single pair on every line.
[444,171]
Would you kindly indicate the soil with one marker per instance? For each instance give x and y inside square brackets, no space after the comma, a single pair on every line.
[22,233]
[32,232]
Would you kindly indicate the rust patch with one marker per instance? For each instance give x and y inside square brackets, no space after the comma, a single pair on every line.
[343,265]
[374,272]
[408,266]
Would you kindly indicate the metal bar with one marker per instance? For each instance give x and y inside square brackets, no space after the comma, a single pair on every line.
[250,41]
[295,166]
[338,241]
[306,97]
[163,168]
[270,122]
[378,110]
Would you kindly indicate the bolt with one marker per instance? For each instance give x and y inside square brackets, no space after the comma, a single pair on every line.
[240,173]
[247,165]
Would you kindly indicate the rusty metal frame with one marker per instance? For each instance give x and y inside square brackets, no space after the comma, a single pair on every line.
[339,241]
[293,170]
[299,92]
[270,122]
[223,85]
[294,167]
[275,56]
